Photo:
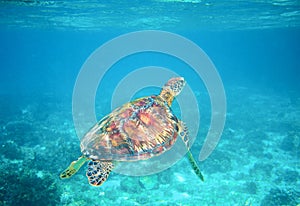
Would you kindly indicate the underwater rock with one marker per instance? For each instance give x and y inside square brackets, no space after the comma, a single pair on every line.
[240,176]
[110,194]
[64,148]
[278,196]
[290,143]
[28,187]
[263,169]
[164,177]
[130,185]
[11,150]
[142,199]
[268,155]
[66,198]
[149,182]
[18,127]
[218,162]
[251,188]
[256,135]
[288,176]
[22,133]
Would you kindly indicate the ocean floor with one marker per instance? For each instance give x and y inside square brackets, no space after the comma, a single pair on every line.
[257,161]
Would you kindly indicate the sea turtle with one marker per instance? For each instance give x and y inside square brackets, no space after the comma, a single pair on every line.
[138,130]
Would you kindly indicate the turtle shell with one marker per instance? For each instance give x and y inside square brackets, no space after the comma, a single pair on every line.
[137,130]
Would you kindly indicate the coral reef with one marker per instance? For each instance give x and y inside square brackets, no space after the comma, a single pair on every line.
[250,187]
[149,182]
[27,187]
[38,142]
[130,185]
[218,162]
[278,196]
[291,142]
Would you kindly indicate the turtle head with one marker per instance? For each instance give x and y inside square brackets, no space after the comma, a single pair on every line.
[171,89]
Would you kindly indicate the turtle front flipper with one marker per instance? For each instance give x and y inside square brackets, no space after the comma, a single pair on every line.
[98,171]
[74,167]
[183,133]
[195,166]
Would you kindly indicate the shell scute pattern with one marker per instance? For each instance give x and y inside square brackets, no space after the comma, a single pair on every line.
[137,130]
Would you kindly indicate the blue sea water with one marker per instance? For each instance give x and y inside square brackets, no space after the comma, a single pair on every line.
[255,47]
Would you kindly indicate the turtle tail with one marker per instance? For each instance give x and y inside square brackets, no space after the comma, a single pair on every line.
[195,166]
[73,167]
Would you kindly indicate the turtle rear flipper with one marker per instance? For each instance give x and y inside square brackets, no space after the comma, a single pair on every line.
[98,171]
[73,168]
[183,133]
[195,166]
